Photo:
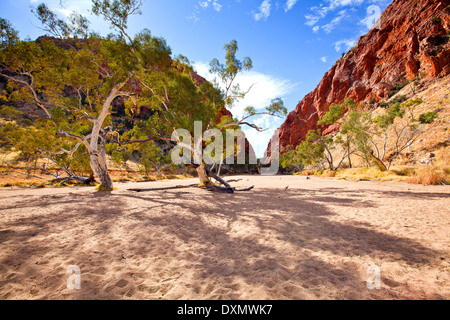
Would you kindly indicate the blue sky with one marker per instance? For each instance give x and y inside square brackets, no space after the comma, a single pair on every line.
[292,42]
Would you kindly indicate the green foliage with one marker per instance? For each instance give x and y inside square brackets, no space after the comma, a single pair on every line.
[58,114]
[310,151]
[116,12]
[428,117]
[120,157]
[8,35]
[334,113]
[307,153]
[383,104]
[413,102]
[39,140]
[388,117]
[398,99]
[361,134]
[228,71]
[397,88]
[152,157]
[111,147]
[10,113]
[250,110]
[75,82]
[277,107]
[78,25]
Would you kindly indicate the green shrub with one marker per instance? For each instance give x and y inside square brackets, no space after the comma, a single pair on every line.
[397,88]
[10,113]
[111,147]
[412,102]
[398,99]
[25,122]
[428,117]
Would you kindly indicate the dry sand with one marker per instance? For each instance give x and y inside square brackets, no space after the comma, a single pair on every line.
[315,240]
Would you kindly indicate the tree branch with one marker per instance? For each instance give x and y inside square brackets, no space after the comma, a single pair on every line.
[31,89]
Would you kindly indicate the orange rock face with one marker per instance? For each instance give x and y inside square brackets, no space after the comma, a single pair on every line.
[413,41]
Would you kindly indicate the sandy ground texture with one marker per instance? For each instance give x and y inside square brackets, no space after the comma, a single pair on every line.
[319,239]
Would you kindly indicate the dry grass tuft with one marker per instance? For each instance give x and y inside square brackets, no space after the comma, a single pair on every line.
[372,173]
[329,174]
[431,175]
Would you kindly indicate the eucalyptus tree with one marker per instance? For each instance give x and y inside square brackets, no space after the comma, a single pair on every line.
[83,77]
[203,131]
[74,82]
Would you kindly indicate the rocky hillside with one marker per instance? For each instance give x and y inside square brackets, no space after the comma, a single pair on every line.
[412,43]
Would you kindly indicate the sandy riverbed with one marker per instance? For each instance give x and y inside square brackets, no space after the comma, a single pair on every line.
[315,240]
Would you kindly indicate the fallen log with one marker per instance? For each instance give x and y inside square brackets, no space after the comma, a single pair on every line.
[225,189]
[80,180]
[164,188]
[211,187]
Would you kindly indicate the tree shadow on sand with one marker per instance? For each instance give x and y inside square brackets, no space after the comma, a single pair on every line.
[281,252]
[302,224]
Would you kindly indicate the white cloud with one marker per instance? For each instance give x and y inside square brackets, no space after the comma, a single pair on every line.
[289,5]
[68,6]
[324,59]
[311,20]
[330,26]
[316,29]
[348,43]
[265,88]
[264,11]
[333,4]
[65,12]
[215,4]
[204,4]
[320,11]
[194,15]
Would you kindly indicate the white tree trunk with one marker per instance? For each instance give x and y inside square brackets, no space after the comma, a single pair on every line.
[100,170]
[98,159]
[202,175]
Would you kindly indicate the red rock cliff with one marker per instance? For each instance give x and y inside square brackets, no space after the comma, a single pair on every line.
[413,40]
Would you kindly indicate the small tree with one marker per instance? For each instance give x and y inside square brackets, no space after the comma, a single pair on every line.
[396,127]
[8,35]
[175,115]
[120,157]
[290,161]
[344,137]
[152,157]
